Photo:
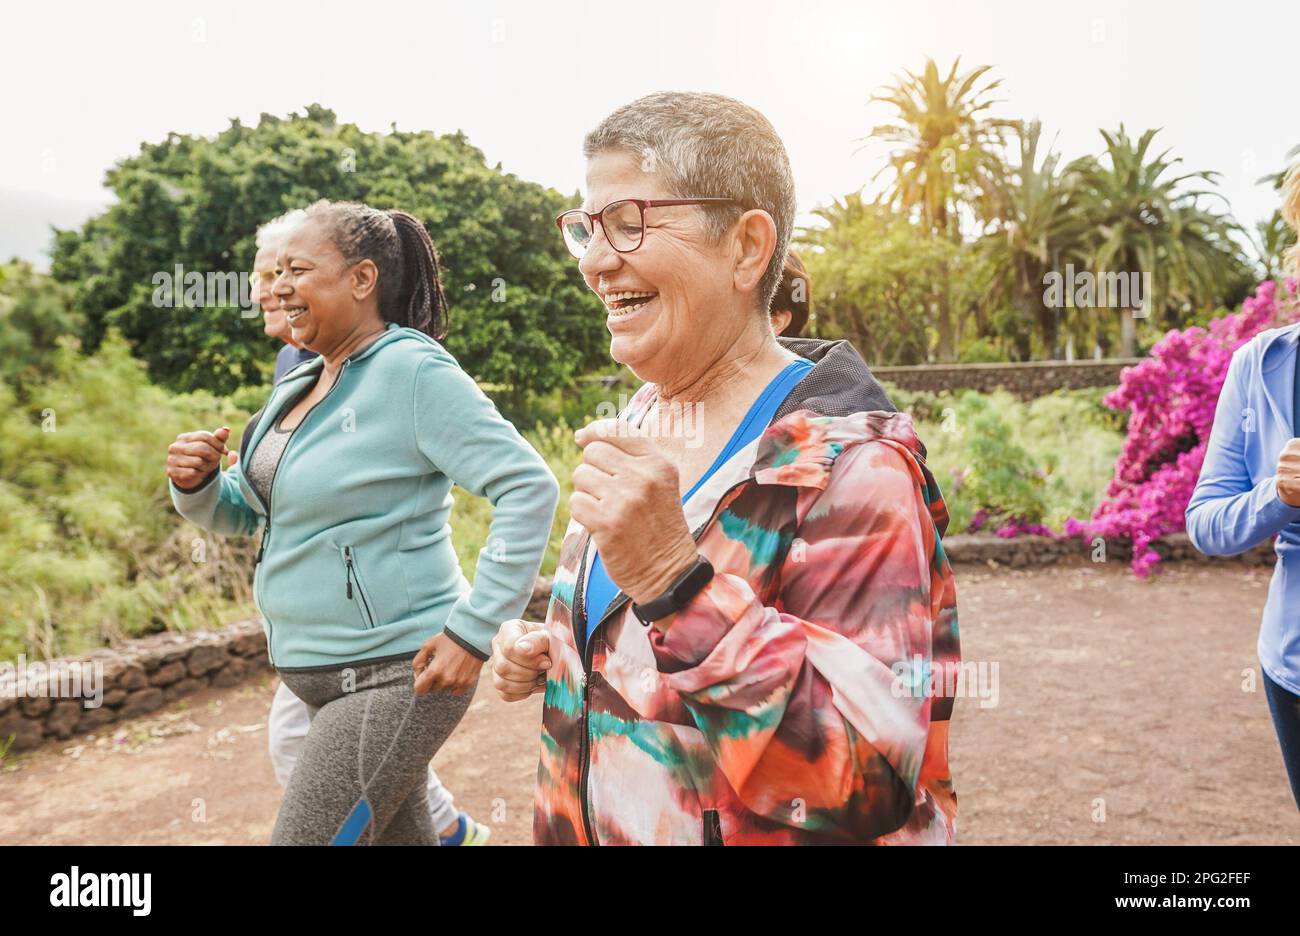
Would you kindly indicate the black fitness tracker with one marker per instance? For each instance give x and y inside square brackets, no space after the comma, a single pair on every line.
[687,585]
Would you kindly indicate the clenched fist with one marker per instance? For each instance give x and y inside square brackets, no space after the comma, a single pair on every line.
[1288,474]
[625,493]
[521,655]
[195,455]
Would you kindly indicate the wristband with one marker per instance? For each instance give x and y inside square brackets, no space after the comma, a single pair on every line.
[686,586]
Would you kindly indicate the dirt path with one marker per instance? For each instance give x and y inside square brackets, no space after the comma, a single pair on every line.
[1120,718]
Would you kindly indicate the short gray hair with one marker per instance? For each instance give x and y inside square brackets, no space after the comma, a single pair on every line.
[275,229]
[707,145]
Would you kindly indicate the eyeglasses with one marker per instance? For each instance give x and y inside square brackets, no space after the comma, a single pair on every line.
[623,221]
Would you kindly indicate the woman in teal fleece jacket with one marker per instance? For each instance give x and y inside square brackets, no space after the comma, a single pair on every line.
[348,470]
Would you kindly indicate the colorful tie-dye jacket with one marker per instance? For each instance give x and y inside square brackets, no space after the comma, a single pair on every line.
[791,702]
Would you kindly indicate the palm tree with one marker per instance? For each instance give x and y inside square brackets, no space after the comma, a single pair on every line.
[1042,229]
[1274,236]
[1276,179]
[1144,219]
[946,154]
[1271,240]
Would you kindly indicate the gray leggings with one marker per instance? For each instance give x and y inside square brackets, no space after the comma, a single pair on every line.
[370,742]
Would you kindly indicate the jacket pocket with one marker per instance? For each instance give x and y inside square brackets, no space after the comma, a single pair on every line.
[356,589]
[713,827]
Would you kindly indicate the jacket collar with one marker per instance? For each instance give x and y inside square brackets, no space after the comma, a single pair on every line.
[1272,352]
[1273,345]
[296,381]
[392,332]
[837,404]
[839,384]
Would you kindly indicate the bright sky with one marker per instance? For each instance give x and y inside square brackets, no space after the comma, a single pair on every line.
[85,84]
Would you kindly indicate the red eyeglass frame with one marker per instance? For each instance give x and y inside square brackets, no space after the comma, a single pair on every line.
[642,204]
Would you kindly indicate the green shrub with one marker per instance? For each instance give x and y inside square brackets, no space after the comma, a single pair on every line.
[981,351]
[35,311]
[90,547]
[595,395]
[1042,461]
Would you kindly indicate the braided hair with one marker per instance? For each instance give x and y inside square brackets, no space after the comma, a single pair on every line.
[410,273]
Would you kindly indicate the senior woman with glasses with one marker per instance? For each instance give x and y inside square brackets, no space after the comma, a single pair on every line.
[747,619]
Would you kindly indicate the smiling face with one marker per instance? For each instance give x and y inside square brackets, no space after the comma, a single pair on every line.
[326,301]
[670,304]
[273,321]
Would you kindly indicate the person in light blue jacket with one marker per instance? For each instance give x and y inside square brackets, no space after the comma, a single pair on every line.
[1249,491]
[348,471]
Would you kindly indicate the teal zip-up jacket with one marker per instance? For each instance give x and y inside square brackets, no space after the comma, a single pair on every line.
[357,561]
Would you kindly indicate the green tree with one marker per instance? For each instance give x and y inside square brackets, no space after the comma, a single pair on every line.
[874,273]
[1143,218]
[35,311]
[1041,230]
[945,156]
[1274,236]
[521,316]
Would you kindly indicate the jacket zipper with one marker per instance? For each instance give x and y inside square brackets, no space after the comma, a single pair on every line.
[712,828]
[580,620]
[270,493]
[352,574]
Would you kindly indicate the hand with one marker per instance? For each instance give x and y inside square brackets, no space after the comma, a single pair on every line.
[442,665]
[195,455]
[521,655]
[627,494]
[1288,474]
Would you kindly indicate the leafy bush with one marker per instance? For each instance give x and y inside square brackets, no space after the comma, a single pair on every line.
[593,396]
[981,351]
[35,311]
[1013,464]
[922,404]
[90,548]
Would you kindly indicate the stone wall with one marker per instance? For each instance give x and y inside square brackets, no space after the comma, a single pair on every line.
[1021,552]
[137,678]
[1027,381]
